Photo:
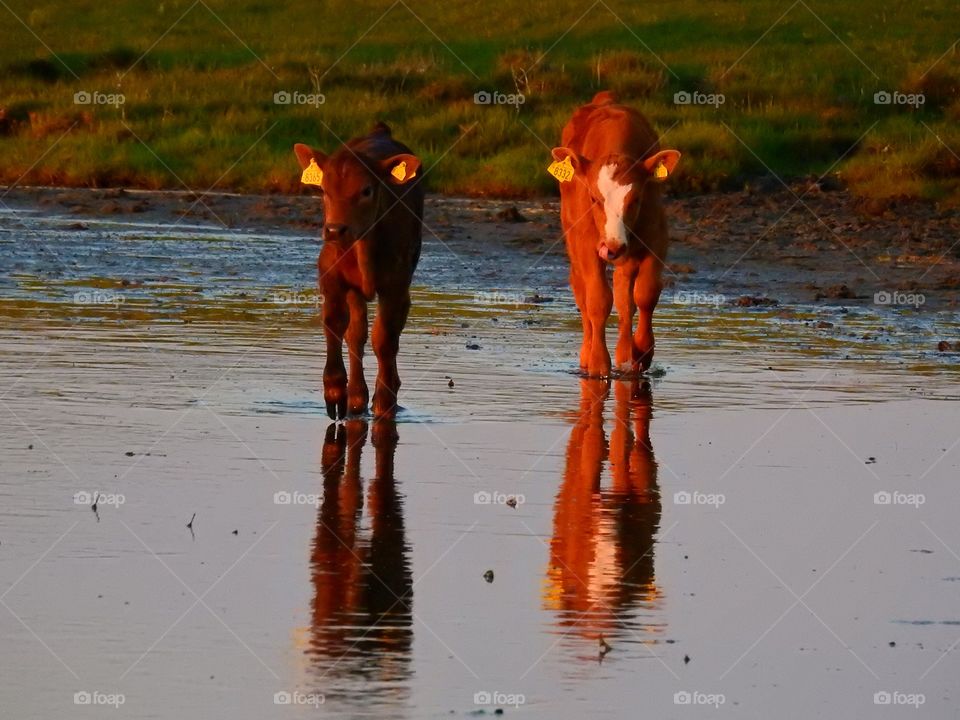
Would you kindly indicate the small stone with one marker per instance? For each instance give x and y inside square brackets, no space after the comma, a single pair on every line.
[511,214]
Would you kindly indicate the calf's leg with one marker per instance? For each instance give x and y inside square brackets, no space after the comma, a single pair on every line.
[391,318]
[591,289]
[336,317]
[646,294]
[580,296]
[599,304]
[357,394]
[624,277]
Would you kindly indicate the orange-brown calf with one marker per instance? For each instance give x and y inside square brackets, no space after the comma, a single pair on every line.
[373,211]
[611,213]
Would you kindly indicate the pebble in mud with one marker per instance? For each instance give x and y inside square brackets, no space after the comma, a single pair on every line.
[836,292]
[511,214]
[488,576]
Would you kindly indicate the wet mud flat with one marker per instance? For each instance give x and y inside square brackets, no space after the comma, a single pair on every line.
[765,526]
[796,243]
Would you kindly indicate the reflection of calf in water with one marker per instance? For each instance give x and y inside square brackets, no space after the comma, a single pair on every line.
[361,626]
[601,555]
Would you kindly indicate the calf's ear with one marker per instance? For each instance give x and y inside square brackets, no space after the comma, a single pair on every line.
[662,164]
[561,154]
[567,165]
[401,168]
[305,154]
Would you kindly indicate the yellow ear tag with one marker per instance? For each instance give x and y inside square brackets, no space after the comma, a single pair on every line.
[660,172]
[312,175]
[400,172]
[562,171]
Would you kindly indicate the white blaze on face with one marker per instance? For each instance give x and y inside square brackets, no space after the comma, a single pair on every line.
[614,196]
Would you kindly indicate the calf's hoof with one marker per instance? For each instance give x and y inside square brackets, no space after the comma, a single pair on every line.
[623,358]
[358,402]
[337,410]
[599,368]
[645,360]
[336,399]
[384,405]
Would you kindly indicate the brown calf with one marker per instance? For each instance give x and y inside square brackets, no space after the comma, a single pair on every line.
[373,210]
[609,169]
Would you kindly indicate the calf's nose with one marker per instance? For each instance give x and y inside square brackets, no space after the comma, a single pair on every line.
[334,231]
[610,252]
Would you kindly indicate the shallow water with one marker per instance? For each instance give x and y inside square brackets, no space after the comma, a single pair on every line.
[717,527]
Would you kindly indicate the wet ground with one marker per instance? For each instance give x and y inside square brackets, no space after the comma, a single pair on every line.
[766,527]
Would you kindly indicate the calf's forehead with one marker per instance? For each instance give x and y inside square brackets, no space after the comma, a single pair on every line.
[345,172]
[612,188]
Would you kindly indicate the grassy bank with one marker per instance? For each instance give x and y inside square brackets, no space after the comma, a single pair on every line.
[198,82]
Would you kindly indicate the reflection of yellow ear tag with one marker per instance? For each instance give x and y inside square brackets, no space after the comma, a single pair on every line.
[400,171]
[312,175]
[660,172]
[562,171]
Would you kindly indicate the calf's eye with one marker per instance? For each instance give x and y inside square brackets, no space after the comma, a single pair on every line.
[367,191]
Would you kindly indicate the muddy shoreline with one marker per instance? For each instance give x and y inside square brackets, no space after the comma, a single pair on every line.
[798,244]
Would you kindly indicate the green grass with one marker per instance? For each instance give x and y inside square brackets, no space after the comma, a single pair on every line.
[199,108]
